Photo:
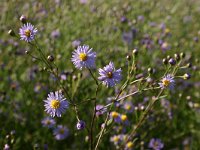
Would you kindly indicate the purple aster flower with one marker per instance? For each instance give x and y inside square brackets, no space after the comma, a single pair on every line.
[48,122]
[56,104]
[80,125]
[61,132]
[156,144]
[167,81]
[27,32]
[83,57]
[76,43]
[109,75]
[116,116]
[100,110]
[128,106]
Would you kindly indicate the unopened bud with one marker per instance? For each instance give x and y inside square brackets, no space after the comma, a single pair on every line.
[177,57]
[23,19]
[164,61]
[135,52]
[182,55]
[50,58]
[186,76]
[11,32]
[172,61]
[150,70]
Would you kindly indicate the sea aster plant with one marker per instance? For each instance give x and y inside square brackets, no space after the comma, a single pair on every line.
[156,144]
[61,132]
[27,32]
[84,57]
[56,104]
[109,75]
[167,82]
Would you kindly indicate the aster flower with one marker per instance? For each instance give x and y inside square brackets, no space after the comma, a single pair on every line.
[56,104]
[116,116]
[27,32]
[61,132]
[167,82]
[48,122]
[128,106]
[109,75]
[100,110]
[83,57]
[156,144]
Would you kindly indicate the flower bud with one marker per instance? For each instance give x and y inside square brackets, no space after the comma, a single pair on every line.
[182,55]
[150,70]
[135,52]
[50,58]
[186,76]
[172,61]
[164,61]
[169,57]
[189,65]
[11,32]
[23,19]
[128,57]
[27,52]
[177,57]
[80,125]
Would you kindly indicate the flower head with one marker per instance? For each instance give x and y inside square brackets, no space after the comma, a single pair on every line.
[100,110]
[55,104]
[156,144]
[48,122]
[61,132]
[129,146]
[109,75]
[83,57]
[167,82]
[27,32]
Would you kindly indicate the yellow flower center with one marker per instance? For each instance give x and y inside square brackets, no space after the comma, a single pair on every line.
[114,114]
[28,33]
[83,56]
[165,82]
[109,74]
[123,117]
[61,131]
[129,144]
[116,139]
[48,122]
[55,104]
[128,107]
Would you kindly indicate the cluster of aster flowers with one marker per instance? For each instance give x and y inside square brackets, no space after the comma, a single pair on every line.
[83,57]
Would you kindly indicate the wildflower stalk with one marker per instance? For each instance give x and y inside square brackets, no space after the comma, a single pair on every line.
[108,114]
[144,114]
[94,110]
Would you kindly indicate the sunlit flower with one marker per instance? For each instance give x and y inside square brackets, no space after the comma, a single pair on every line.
[61,132]
[156,144]
[56,104]
[27,32]
[109,75]
[167,82]
[83,57]
[48,122]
